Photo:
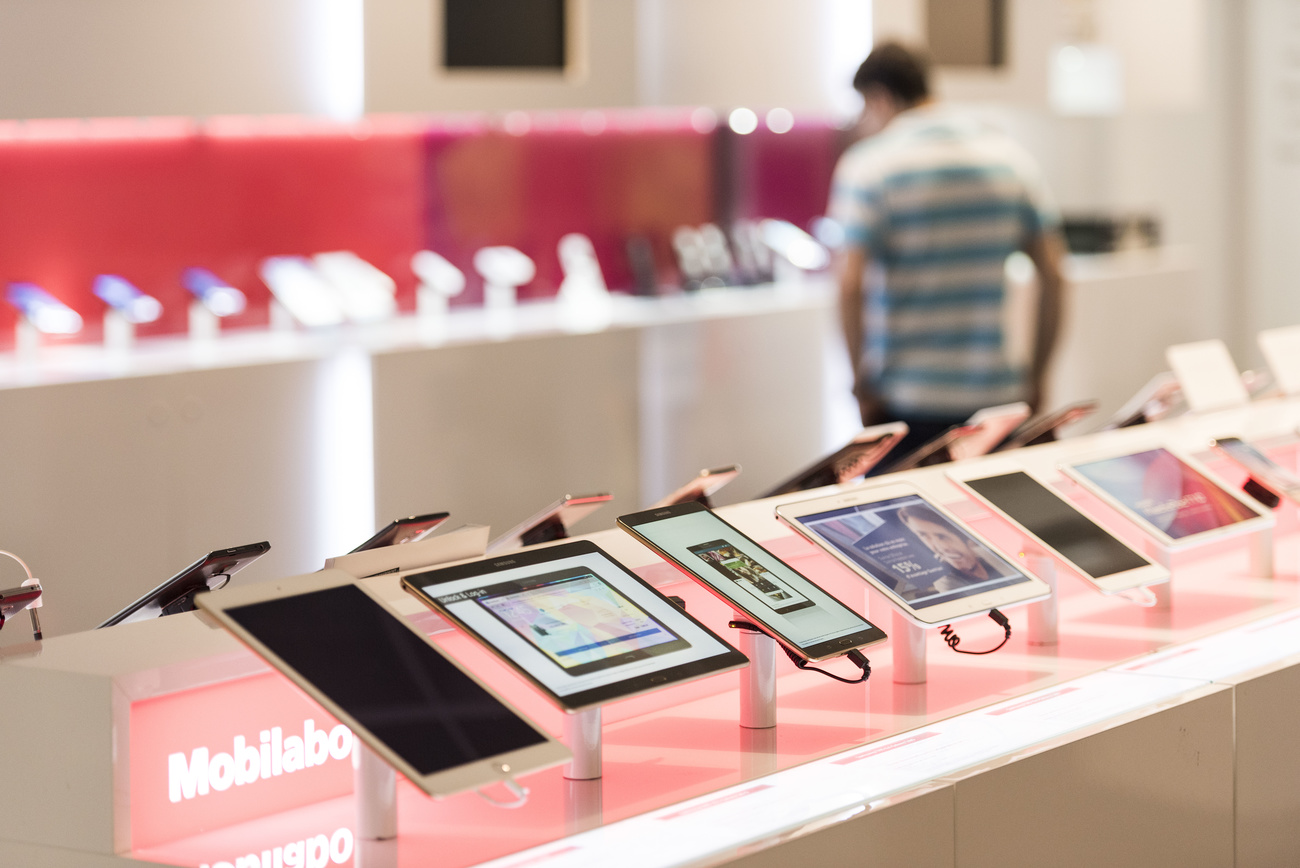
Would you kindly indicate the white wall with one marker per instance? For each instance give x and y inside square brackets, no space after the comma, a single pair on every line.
[78,58]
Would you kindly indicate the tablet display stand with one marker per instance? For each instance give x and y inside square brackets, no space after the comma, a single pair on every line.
[908,643]
[584,807]
[1044,616]
[1260,565]
[375,786]
[758,680]
[583,736]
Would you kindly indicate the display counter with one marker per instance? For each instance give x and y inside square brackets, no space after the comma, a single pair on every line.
[1146,736]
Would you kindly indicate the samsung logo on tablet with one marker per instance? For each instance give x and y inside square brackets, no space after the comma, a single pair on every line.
[277,754]
[314,852]
[502,563]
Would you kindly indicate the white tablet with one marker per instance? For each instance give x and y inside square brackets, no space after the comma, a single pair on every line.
[913,551]
[576,623]
[1105,561]
[1175,502]
[412,705]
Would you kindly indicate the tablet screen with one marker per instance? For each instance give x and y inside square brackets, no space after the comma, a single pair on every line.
[755,581]
[386,677]
[578,625]
[1057,523]
[914,550]
[1168,494]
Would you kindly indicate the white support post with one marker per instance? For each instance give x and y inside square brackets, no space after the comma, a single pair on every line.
[1044,616]
[908,643]
[758,680]
[375,784]
[757,752]
[1261,553]
[582,735]
[584,806]
[119,333]
[1164,592]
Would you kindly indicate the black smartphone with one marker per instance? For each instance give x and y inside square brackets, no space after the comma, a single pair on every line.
[404,530]
[211,572]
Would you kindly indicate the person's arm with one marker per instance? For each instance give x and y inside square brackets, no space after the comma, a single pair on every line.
[1047,251]
[851,266]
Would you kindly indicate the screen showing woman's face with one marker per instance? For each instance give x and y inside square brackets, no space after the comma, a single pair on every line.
[948,546]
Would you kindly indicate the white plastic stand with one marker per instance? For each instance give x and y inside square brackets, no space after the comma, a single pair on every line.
[582,735]
[1164,592]
[1261,553]
[584,807]
[499,301]
[375,785]
[757,752]
[27,342]
[1044,617]
[281,321]
[758,680]
[431,312]
[908,643]
[204,324]
[119,333]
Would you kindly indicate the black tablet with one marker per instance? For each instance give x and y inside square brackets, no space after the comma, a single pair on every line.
[582,627]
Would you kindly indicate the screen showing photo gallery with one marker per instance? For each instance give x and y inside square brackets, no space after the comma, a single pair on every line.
[575,624]
[753,579]
[915,551]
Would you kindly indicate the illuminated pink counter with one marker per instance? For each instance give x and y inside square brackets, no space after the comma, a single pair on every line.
[1128,743]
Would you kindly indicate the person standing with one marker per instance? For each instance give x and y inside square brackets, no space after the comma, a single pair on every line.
[932,204]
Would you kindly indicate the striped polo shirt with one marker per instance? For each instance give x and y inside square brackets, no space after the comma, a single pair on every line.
[938,203]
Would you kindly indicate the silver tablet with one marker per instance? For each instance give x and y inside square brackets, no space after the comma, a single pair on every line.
[1105,561]
[412,705]
[1175,502]
[922,558]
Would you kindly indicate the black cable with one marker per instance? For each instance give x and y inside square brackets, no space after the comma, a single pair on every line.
[859,659]
[954,640]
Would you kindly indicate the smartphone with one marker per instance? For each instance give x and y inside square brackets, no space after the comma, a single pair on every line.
[1109,564]
[990,426]
[15,600]
[702,487]
[852,461]
[932,452]
[1159,397]
[211,572]
[551,523]
[1042,429]
[1262,469]
[773,595]
[404,530]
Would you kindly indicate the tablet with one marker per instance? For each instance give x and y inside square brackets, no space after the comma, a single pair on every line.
[1175,503]
[412,705]
[850,462]
[1108,563]
[744,575]
[914,552]
[580,626]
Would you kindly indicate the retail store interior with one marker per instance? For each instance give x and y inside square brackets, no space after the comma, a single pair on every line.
[275,273]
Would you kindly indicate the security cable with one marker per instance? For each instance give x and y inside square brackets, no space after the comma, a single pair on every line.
[954,640]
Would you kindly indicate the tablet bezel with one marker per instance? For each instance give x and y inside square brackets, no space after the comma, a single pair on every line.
[815,653]
[1029,591]
[548,752]
[1152,574]
[1261,520]
[730,659]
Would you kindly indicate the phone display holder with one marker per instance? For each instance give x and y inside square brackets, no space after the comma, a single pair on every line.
[908,643]
[119,333]
[204,325]
[582,733]
[375,786]
[758,680]
[440,281]
[1044,616]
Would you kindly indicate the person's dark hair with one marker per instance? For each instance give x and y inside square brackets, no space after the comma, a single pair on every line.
[909,514]
[903,72]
